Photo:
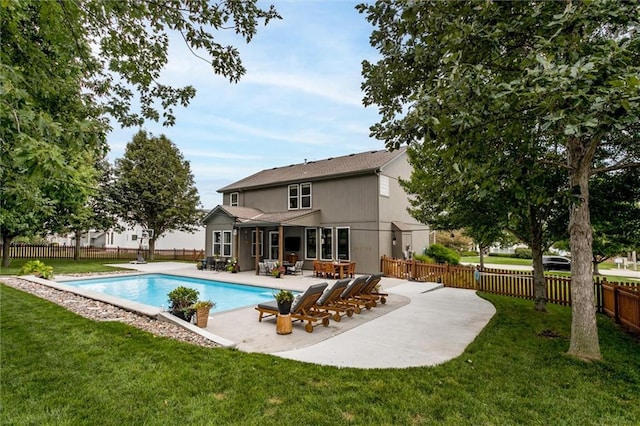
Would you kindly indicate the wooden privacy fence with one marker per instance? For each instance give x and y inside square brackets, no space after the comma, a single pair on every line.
[623,304]
[110,253]
[619,300]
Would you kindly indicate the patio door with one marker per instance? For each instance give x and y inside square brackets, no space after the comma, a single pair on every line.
[274,244]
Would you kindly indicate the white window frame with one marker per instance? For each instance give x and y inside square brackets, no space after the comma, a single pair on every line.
[253,243]
[233,198]
[222,244]
[305,197]
[295,202]
[272,246]
[337,243]
[323,242]
[293,199]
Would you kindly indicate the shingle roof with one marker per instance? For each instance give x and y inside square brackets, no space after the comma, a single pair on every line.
[252,217]
[352,164]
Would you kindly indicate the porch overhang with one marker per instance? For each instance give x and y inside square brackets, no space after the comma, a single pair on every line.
[309,218]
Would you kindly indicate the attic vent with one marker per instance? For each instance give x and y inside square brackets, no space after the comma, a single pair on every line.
[330,158]
[351,155]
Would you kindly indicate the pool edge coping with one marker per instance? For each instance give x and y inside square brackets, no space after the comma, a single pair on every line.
[138,308]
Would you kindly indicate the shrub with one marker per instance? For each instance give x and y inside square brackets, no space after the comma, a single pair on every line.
[423,258]
[469,253]
[523,253]
[37,268]
[441,254]
[181,301]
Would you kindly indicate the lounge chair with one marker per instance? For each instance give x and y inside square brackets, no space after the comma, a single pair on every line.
[351,295]
[303,309]
[369,291]
[330,300]
[297,268]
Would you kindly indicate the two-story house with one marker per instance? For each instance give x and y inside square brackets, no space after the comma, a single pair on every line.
[344,208]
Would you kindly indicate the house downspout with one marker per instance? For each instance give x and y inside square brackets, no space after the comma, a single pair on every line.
[280,244]
[257,251]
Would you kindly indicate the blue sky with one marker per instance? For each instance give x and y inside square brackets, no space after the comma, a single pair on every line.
[300,98]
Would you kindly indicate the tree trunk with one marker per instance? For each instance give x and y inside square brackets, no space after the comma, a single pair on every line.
[482,257]
[584,330]
[6,246]
[152,248]
[596,271]
[539,281]
[76,247]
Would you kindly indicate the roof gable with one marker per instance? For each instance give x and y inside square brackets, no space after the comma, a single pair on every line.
[352,164]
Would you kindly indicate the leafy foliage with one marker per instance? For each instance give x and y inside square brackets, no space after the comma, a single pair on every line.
[65,66]
[615,213]
[37,268]
[154,187]
[181,301]
[442,254]
[506,98]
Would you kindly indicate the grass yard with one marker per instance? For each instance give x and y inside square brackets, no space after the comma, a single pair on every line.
[491,261]
[59,368]
[66,266]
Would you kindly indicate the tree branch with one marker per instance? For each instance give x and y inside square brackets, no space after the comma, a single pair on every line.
[615,167]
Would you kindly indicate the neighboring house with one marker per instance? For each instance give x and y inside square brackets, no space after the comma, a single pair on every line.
[133,238]
[347,208]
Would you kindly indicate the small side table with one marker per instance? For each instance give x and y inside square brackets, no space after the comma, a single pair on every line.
[284,324]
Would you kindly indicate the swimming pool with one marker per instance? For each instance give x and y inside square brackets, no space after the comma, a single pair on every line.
[152,290]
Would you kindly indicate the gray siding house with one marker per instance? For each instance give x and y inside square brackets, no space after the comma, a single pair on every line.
[344,208]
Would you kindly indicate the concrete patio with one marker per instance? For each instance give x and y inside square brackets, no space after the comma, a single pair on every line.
[421,323]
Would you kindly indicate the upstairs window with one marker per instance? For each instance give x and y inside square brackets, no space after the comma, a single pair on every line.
[299,196]
[305,196]
[234,198]
[293,197]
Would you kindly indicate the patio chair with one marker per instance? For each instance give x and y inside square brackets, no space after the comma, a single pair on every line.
[262,268]
[297,268]
[329,270]
[303,309]
[330,300]
[369,291]
[351,295]
[351,270]
[318,270]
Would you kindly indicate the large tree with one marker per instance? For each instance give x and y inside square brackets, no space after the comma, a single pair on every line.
[154,188]
[526,203]
[50,131]
[66,66]
[554,80]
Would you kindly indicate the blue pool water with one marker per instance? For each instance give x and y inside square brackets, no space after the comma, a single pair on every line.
[152,290]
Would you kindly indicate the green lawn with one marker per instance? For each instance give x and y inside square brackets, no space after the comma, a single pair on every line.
[494,260]
[65,266]
[59,368]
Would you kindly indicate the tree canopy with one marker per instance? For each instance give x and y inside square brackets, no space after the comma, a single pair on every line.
[154,187]
[542,87]
[68,66]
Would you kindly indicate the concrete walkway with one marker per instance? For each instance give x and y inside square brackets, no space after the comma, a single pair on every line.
[436,326]
[421,324]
